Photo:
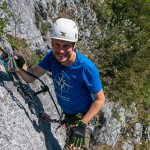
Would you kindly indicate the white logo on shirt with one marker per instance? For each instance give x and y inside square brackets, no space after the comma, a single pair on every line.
[62,82]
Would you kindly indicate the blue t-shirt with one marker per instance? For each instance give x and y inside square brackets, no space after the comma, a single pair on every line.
[75,84]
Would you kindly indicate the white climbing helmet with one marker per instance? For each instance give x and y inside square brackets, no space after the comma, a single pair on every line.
[65,29]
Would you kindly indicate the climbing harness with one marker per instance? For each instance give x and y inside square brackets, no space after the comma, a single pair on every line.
[7,59]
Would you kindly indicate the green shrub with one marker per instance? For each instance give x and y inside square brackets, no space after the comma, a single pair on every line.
[122,54]
[5,12]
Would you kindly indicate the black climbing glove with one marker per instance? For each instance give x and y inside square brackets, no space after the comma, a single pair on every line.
[78,134]
[20,61]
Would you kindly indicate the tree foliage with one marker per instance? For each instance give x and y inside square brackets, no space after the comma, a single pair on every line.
[123,52]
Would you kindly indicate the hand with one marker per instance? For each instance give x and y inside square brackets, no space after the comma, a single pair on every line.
[78,135]
[20,61]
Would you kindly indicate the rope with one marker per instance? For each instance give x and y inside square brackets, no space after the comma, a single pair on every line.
[44,89]
[20,87]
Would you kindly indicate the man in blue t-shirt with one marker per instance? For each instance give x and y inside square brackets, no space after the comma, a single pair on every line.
[76,80]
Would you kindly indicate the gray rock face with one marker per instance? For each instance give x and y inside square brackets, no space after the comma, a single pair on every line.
[19,128]
[111,128]
[23,21]
[118,123]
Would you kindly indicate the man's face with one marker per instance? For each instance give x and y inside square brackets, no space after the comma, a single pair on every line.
[62,50]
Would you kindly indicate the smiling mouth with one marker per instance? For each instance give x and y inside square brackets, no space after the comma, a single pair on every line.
[61,55]
[64,55]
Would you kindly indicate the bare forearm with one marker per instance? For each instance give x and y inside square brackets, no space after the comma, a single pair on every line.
[27,78]
[95,108]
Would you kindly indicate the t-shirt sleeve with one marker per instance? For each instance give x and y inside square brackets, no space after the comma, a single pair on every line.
[92,79]
[45,63]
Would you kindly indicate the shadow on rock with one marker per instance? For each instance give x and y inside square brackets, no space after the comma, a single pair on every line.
[33,101]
